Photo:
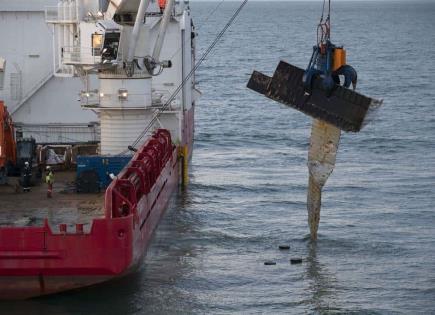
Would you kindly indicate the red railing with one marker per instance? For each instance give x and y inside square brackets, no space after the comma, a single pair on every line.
[139,176]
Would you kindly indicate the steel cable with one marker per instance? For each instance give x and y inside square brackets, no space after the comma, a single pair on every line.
[200,24]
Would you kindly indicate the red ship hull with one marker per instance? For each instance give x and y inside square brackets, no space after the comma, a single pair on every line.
[37,261]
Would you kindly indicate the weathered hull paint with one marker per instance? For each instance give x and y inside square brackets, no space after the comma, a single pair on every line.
[324,143]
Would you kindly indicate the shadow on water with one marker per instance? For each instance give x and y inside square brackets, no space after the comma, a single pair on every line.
[328,296]
[322,284]
[171,261]
[112,297]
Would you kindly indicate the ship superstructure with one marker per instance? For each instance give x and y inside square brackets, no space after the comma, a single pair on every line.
[140,58]
[42,102]
[143,55]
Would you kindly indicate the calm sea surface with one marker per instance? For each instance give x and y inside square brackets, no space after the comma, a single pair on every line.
[376,247]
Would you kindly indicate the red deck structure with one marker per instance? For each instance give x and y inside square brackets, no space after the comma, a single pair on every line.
[38,260]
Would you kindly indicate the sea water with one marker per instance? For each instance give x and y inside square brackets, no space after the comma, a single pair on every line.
[375,252]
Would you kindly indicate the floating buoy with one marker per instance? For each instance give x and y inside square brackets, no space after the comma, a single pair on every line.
[269,263]
[295,261]
[284,247]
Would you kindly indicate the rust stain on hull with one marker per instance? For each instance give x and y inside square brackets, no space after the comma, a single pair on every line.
[322,154]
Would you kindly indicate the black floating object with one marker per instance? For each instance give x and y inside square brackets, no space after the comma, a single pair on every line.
[343,108]
[294,261]
[269,263]
[131,148]
[284,247]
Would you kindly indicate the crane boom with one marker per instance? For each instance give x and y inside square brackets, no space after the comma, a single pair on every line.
[162,31]
[136,29]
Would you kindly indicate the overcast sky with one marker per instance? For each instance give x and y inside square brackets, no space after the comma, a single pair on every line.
[314,0]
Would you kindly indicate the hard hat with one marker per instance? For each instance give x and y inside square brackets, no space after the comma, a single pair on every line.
[48,167]
[26,163]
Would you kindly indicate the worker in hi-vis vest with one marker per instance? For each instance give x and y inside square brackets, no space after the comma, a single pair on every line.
[27,176]
[49,179]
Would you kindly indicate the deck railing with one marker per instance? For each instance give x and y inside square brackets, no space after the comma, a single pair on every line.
[138,177]
[80,55]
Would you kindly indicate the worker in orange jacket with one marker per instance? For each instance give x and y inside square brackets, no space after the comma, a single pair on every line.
[162,5]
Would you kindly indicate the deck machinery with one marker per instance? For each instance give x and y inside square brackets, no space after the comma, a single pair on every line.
[139,59]
[8,155]
[13,152]
[322,92]
[7,137]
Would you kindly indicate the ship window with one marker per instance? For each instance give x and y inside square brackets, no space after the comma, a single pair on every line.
[24,149]
[97,44]
[18,134]
[111,43]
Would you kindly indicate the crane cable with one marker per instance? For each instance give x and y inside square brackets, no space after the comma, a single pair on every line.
[194,29]
[324,26]
[178,89]
[201,23]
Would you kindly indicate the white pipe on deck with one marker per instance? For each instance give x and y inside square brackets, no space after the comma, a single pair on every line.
[136,29]
[162,31]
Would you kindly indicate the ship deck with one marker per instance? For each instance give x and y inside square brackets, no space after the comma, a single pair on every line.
[19,208]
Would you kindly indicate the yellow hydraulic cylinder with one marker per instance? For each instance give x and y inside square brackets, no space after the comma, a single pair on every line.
[184,155]
[339,58]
